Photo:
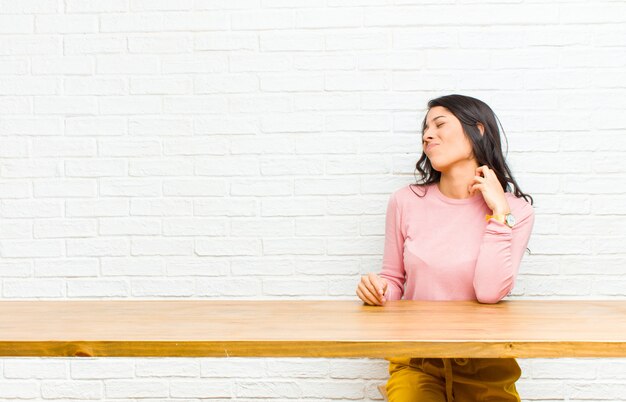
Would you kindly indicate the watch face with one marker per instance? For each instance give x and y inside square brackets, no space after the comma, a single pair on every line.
[510,220]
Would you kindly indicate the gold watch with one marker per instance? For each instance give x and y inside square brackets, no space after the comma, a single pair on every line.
[507,219]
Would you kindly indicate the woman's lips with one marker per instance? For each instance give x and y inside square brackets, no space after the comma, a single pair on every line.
[429,147]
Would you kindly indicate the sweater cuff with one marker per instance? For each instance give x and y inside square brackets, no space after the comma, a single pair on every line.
[390,293]
[495,226]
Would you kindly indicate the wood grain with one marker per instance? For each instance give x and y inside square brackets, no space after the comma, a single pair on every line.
[305,328]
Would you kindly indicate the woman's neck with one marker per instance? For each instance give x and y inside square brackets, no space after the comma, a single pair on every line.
[456,182]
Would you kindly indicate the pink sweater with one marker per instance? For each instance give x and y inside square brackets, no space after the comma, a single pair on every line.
[441,248]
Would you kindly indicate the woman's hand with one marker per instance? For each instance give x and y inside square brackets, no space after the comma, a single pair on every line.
[371,289]
[487,182]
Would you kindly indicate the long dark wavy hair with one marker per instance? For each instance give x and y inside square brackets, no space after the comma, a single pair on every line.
[486,148]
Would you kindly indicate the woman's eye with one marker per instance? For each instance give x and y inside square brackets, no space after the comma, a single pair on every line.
[440,125]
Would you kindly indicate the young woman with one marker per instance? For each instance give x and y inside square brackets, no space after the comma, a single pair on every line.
[460,234]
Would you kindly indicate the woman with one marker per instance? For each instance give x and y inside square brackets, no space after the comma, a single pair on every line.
[458,235]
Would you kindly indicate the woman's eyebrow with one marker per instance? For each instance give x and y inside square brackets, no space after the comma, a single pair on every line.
[426,126]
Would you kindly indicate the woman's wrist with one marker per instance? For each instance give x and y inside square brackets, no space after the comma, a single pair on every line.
[499,212]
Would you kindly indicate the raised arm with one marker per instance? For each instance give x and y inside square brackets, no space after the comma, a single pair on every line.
[393,255]
[500,255]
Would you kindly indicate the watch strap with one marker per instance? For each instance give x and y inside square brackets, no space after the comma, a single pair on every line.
[499,218]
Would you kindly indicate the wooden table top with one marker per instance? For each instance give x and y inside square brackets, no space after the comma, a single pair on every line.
[320,328]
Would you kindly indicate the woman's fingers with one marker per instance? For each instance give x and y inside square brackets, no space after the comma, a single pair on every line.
[377,284]
[476,186]
[372,282]
[486,171]
[372,293]
[365,299]
[360,291]
[371,289]
[366,295]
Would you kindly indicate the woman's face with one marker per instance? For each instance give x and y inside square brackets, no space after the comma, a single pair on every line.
[443,140]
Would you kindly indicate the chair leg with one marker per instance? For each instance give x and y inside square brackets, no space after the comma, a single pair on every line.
[383,391]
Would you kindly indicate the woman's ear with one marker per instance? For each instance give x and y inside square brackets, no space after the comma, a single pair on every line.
[481,128]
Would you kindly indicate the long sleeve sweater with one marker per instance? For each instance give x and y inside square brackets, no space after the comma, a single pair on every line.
[442,248]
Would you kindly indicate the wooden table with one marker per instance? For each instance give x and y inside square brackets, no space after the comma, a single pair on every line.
[201,328]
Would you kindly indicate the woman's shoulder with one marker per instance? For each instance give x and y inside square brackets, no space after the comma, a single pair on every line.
[409,193]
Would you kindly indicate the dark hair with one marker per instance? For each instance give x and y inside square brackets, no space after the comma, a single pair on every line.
[486,147]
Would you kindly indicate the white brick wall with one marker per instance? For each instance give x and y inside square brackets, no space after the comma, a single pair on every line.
[222,150]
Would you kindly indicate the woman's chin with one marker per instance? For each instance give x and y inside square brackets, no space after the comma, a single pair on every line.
[435,166]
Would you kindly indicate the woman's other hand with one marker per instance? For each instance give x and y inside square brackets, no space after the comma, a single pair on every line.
[371,289]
